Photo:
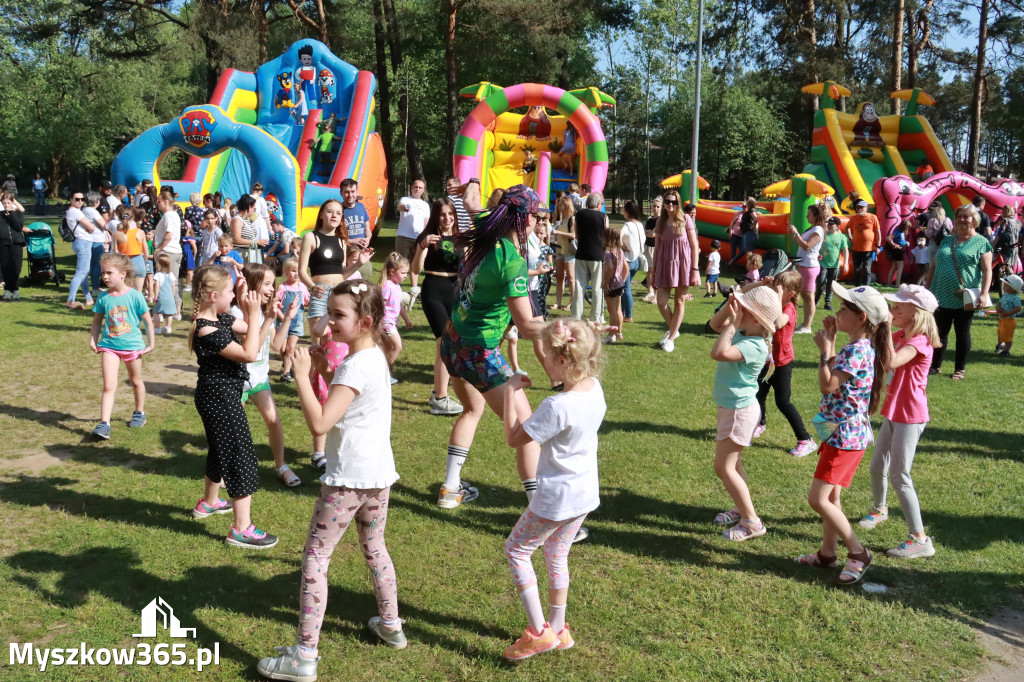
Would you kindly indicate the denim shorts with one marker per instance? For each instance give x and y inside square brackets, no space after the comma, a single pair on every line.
[139,265]
[149,266]
[318,304]
[483,368]
[295,327]
[712,279]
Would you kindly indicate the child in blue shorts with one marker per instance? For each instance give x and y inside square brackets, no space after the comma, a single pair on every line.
[289,290]
[714,267]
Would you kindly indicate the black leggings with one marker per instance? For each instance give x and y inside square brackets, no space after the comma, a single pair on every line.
[436,295]
[861,267]
[823,285]
[10,265]
[960,320]
[781,380]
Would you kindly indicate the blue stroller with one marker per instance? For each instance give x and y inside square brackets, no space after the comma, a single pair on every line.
[42,255]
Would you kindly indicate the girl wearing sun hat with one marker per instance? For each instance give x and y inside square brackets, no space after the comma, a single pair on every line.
[851,383]
[745,325]
[905,414]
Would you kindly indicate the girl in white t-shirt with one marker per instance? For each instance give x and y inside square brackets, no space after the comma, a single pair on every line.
[565,425]
[260,278]
[808,247]
[360,471]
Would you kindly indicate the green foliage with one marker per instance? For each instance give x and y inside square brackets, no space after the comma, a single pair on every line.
[506,146]
[555,144]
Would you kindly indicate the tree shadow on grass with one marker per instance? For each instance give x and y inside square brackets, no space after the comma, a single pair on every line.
[609,426]
[974,442]
[74,328]
[47,418]
[972,533]
[495,512]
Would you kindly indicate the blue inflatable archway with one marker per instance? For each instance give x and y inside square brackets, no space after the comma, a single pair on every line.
[206,131]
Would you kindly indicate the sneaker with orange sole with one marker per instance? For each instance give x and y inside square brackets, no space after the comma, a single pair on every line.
[530,644]
[565,640]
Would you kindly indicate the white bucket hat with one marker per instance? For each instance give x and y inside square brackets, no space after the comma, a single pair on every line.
[764,304]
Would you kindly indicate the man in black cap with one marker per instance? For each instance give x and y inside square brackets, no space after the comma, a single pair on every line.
[110,202]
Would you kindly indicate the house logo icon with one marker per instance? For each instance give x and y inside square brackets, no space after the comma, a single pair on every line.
[160,611]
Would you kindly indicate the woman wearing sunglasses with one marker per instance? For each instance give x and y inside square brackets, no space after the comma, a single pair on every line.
[83,228]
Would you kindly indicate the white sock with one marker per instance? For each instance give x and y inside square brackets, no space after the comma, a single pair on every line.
[530,486]
[534,612]
[556,617]
[456,458]
[306,652]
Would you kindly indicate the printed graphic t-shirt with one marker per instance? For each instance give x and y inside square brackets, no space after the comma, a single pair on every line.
[122,317]
[358,222]
[847,406]
[480,313]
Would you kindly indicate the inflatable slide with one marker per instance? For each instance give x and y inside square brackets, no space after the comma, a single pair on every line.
[851,152]
[503,148]
[300,125]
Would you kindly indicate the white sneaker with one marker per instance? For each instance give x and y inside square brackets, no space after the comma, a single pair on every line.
[802,330]
[178,317]
[669,346]
[664,338]
[446,406]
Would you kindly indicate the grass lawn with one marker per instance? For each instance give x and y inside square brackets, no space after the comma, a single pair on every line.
[92,532]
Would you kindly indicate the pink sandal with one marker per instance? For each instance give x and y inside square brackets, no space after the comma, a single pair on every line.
[854,569]
[741,532]
[727,518]
[817,560]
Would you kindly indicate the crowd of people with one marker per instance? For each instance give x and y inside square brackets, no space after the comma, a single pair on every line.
[481,274]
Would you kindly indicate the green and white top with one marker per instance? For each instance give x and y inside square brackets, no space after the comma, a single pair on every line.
[945,283]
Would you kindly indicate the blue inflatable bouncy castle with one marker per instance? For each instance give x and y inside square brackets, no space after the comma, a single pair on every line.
[266,127]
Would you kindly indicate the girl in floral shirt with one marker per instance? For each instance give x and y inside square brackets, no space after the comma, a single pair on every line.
[851,383]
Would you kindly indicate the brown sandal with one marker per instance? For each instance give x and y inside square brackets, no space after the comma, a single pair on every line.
[958,375]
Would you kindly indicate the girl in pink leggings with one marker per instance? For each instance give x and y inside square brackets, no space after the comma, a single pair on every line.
[565,425]
[357,482]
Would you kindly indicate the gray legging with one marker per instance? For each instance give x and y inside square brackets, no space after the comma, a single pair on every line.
[894,455]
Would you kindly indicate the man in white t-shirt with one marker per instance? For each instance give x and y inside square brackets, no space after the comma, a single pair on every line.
[110,202]
[414,214]
[167,239]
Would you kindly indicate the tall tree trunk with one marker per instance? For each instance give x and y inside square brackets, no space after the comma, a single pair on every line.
[974,135]
[451,8]
[384,87]
[58,173]
[260,9]
[915,44]
[414,165]
[896,66]
[212,73]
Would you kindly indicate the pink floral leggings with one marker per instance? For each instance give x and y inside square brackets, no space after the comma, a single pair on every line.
[531,532]
[335,508]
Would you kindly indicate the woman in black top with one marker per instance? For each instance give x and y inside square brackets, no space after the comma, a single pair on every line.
[652,222]
[437,257]
[12,244]
[748,229]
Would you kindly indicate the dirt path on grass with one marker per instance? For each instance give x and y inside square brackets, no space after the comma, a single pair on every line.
[1002,635]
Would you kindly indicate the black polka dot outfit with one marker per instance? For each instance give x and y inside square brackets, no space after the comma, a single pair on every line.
[218,400]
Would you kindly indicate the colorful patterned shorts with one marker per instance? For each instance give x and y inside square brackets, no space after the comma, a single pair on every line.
[483,368]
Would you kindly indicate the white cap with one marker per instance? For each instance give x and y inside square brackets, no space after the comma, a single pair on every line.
[865,298]
[916,294]
[1015,282]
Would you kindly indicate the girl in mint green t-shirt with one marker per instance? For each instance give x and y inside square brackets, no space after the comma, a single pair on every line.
[745,324]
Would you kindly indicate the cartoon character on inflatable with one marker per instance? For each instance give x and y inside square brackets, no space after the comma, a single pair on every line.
[535,124]
[306,75]
[868,129]
[326,84]
[283,98]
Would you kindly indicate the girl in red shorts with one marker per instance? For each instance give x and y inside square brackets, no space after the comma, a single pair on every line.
[851,384]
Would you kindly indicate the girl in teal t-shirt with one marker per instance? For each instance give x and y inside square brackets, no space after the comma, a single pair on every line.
[745,324]
[117,337]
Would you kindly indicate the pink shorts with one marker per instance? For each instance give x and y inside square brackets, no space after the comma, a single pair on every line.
[738,425]
[808,276]
[125,355]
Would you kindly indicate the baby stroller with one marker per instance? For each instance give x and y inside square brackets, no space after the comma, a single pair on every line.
[774,262]
[42,255]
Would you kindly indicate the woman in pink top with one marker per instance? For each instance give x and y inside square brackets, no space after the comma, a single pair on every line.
[905,413]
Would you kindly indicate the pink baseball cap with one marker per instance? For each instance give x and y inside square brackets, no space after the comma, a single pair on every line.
[916,294]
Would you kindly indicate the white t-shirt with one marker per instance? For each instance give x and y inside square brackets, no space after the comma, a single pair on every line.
[412,222]
[113,202]
[714,262]
[73,216]
[169,223]
[632,240]
[261,208]
[921,255]
[98,235]
[211,245]
[259,370]
[808,258]
[565,425]
[359,446]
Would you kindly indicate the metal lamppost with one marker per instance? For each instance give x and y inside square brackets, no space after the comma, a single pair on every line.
[718,163]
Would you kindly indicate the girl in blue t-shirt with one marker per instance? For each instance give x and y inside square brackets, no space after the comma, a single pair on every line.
[851,386]
[745,325]
[117,337]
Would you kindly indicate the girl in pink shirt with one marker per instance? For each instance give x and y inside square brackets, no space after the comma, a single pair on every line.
[396,269]
[905,413]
